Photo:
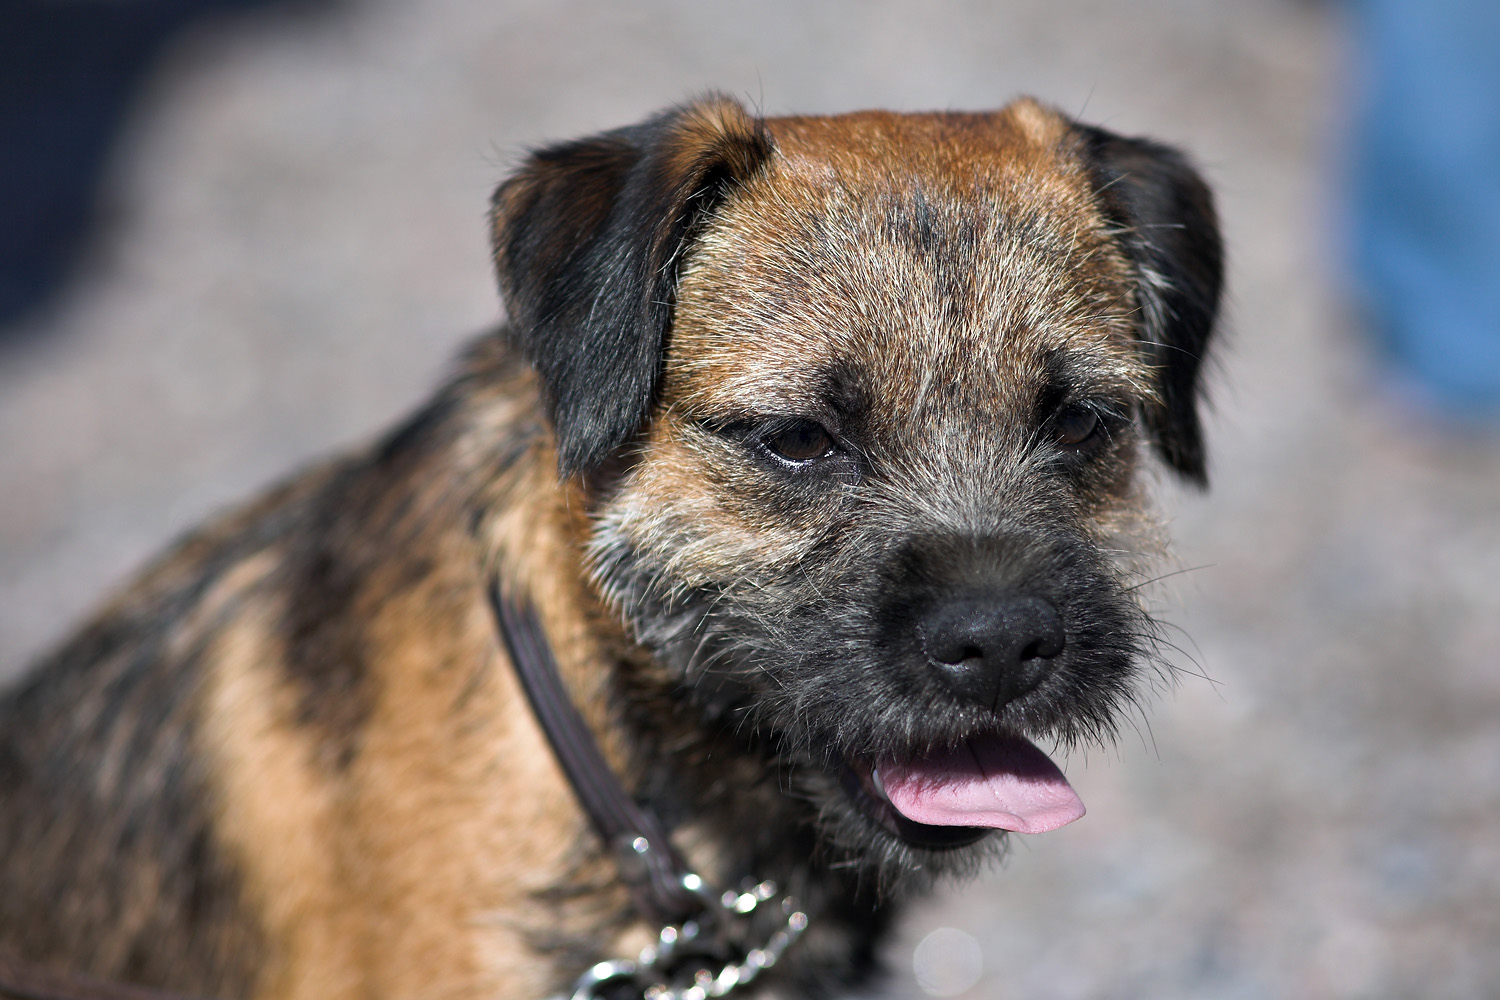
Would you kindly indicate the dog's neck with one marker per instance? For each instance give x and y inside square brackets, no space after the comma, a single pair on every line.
[719,799]
[718,795]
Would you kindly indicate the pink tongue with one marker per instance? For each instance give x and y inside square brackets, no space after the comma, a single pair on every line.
[997,781]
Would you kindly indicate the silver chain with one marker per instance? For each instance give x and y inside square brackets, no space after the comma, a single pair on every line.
[682,963]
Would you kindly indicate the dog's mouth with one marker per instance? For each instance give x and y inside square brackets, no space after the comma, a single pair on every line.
[952,798]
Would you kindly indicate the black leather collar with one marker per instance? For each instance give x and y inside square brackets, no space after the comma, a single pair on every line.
[649,864]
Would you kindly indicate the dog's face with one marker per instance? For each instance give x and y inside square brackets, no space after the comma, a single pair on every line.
[863,400]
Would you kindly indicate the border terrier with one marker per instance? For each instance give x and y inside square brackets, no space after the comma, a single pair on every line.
[814,448]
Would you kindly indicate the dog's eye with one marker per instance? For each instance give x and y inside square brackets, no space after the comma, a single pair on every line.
[1075,426]
[802,441]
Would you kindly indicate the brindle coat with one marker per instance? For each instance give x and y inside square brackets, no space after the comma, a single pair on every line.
[801,377]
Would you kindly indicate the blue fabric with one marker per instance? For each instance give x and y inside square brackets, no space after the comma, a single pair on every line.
[1426,192]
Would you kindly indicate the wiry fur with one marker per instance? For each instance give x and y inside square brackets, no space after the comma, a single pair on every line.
[292,761]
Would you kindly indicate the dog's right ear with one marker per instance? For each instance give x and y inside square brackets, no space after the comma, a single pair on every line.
[588,237]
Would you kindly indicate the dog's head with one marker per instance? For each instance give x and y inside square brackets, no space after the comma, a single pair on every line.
[862,402]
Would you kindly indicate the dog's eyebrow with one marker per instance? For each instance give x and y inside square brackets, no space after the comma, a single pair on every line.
[844,388]
[1073,375]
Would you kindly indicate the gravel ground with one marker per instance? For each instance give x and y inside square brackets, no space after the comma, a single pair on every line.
[296,246]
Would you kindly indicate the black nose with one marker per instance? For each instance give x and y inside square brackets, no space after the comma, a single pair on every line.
[992,649]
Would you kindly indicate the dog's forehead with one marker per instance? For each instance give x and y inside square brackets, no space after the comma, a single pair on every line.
[966,250]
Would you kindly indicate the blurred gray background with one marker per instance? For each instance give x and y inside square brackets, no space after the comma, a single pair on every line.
[290,245]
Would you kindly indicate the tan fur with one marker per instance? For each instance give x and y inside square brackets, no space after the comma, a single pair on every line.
[878,309]
[386,817]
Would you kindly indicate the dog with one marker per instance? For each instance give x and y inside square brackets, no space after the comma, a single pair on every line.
[814,448]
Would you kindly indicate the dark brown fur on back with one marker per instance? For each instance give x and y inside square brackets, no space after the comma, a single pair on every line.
[292,761]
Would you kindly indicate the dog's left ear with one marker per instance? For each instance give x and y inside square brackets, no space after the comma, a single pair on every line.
[1165,213]
[588,237]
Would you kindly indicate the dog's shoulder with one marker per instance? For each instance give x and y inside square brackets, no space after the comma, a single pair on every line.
[113,748]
